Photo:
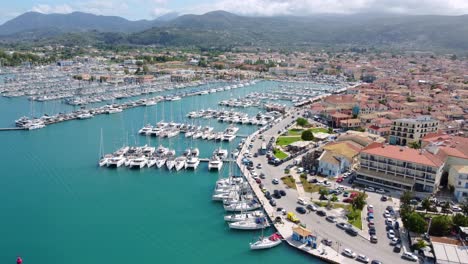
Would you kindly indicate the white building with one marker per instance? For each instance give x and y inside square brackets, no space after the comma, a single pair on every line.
[458,178]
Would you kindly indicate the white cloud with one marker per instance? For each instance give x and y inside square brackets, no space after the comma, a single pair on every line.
[48,9]
[307,7]
[159,11]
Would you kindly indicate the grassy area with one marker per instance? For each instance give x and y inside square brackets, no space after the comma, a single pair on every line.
[310,187]
[319,129]
[354,217]
[289,181]
[279,154]
[295,132]
[286,140]
[334,205]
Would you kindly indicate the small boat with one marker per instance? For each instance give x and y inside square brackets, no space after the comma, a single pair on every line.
[170,163]
[243,216]
[257,223]
[215,163]
[180,163]
[266,242]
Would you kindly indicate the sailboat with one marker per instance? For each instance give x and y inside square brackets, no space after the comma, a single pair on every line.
[256,223]
[103,159]
[266,242]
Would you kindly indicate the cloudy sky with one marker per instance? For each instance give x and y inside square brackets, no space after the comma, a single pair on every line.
[149,9]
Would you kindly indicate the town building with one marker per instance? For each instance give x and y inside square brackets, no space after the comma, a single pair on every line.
[407,130]
[337,157]
[458,178]
[399,168]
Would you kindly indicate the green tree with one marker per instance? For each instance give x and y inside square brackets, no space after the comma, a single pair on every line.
[460,220]
[420,244]
[359,201]
[330,130]
[307,135]
[426,204]
[302,122]
[440,225]
[334,198]
[145,69]
[416,223]
[406,197]
[323,193]
[464,206]
[415,145]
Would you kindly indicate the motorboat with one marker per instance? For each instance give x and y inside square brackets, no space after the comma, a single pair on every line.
[251,224]
[151,162]
[160,161]
[266,242]
[242,206]
[243,216]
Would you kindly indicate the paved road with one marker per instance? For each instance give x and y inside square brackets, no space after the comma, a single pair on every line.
[381,251]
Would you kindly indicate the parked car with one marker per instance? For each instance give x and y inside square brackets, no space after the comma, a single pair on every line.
[351,231]
[362,258]
[369,189]
[383,198]
[321,213]
[313,181]
[373,239]
[331,219]
[258,181]
[349,253]
[301,210]
[327,242]
[282,192]
[302,201]
[343,225]
[381,191]
[340,179]
[311,207]
[272,202]
[395,241]
[275,181]
[410,256]
[348,200]
[397,248]
[376,261]
[390,234]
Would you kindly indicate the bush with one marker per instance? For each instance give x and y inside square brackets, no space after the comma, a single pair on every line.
[440,225]
[302,122]
[304,176]
[334,198]
[416,223]
[307,135]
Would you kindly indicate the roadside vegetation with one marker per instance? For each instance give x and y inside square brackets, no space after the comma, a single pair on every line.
[279,154]
[289,181]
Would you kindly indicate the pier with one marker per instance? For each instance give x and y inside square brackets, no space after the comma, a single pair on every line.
[13,128]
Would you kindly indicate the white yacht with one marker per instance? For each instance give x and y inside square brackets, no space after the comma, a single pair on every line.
[180,163]
[160,161]
[152,161]
[251,224]
[243,216]
[215,163]
[104,160]
[242,206]
[229,137]
[116,161]
[146,130]
[113,110]
[138,162]
[195,152]
[222,153]
[85,116]
[170,163]
[192,162]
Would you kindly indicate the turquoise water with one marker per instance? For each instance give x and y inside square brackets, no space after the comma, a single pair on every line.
[57,206]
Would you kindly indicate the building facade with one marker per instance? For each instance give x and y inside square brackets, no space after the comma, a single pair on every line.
[399,168]
[458,178]
[405,131]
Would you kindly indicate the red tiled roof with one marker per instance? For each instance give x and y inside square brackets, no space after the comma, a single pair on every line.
[403,154]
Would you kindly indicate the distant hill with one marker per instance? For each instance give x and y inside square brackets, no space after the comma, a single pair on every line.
[224,29]
[73,22]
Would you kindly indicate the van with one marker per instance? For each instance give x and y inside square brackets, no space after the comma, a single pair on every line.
[292,217]
[302,201]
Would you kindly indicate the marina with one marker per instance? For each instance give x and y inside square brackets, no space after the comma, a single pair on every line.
[88,189]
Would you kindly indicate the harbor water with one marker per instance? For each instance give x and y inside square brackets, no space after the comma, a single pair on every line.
[57,206]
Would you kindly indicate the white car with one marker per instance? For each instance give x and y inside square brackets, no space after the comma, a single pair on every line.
[387,215]
[362,258]
[302,201]
[410,256]
[391,234]
[370,206]
[369,189]
[349,253]
[275,181]
[381,191]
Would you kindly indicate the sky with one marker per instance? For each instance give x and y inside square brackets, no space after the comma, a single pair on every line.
[150,9]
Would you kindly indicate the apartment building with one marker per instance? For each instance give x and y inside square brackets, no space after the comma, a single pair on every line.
[407,130]
[399,168]
[458,178]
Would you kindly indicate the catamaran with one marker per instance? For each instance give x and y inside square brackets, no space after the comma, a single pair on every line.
[215,163]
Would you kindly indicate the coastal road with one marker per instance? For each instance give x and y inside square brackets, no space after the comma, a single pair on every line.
[380,251]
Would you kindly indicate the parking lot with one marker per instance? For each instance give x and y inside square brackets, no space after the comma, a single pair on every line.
[360,244]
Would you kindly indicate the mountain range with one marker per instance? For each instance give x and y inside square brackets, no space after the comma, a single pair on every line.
[224,29]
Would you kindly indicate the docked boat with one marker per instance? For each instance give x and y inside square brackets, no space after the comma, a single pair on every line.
[170,163]
[138,163]
[152,161]
[242,206]
[180,163]
[243,216]
[253,224]
[215,163]
[85,116]
[266,242]
[160,161]
[192,162]
[115,161]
